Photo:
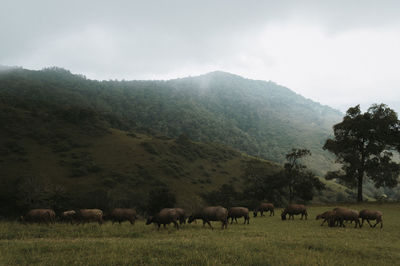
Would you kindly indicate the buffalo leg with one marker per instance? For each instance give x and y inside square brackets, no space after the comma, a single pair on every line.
[225,224]
[357,222]
[369,223]
[377,222]
[208,222]
[341,222]
[176,225]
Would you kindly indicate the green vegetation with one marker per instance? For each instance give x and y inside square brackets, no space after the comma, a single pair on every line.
[266,241]
[258,118]
[301,182]
[364,145]
[68,142]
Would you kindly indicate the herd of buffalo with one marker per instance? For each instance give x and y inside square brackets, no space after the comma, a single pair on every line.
[178,216]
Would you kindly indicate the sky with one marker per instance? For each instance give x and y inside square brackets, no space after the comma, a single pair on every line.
[339,53]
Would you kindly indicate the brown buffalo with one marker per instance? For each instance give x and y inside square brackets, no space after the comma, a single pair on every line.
[89,215]
[327,216]
[264,207]
[211,213]
[371,215]
[182,215]
[164,217]
[344,214]
[68,216]
[120,215]
[40,216]
[237,212]
[294,209]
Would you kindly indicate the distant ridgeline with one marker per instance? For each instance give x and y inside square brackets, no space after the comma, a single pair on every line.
[256,117]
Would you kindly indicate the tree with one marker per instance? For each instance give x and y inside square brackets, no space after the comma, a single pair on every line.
[364,143]
[295,181]
[160,198]
[225,196]
[263,183]
[300,182]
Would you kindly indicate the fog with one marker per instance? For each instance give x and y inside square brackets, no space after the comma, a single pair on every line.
[339,53]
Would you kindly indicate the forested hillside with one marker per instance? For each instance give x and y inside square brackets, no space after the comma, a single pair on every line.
[49,159]
[256,117]
[69,142]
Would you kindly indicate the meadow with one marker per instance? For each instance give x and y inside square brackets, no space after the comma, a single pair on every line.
[265,241]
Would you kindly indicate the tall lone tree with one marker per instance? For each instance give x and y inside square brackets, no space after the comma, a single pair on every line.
[364,144]
[300,182]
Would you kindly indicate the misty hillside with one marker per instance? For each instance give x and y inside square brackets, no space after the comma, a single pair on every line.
[256,117]
[70,158]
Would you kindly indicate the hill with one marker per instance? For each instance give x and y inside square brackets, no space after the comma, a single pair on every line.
[66,141]
[256,117]
[47,159]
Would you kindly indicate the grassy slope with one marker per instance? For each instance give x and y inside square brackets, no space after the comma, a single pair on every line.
[62,153]
[266,241]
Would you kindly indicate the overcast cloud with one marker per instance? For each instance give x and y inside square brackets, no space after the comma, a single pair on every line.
[339,53]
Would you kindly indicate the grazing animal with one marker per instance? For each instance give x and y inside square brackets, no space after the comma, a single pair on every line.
[371,215]
[294,209]
[89,215]
[68,216]
[264,207]
[164,217]
[39,216]
[52,215]
[237,212]
[120,215]
[181,215]
[344,214]
[211,213]
[328,216]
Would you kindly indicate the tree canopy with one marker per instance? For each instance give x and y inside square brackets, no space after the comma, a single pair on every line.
[300,182]
[294,182]
[364,144]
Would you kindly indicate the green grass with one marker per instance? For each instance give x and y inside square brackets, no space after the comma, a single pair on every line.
[266,241]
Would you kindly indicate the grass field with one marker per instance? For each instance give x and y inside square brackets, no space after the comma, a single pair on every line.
[266,241]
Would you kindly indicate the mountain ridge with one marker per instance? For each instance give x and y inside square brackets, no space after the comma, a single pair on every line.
[257,117]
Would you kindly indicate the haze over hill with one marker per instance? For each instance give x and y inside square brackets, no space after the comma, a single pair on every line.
[110,142]
[257,117]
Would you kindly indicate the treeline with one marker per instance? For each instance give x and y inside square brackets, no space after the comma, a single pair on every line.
[33,192]
[293,183]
